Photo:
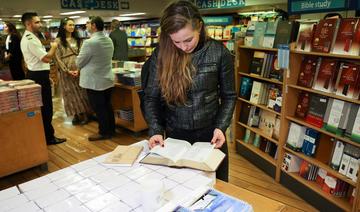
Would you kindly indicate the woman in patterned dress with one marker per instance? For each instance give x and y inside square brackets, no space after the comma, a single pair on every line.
[76,103]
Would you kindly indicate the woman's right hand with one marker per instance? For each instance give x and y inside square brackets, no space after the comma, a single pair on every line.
[156,140]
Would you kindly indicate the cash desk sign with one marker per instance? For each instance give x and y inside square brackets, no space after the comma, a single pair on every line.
[90,4]
[219,4]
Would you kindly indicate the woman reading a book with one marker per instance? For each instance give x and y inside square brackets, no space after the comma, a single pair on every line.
[189,93]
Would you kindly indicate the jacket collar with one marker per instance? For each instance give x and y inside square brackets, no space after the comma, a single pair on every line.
[97,34]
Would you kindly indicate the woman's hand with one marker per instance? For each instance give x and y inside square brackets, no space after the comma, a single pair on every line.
[218,138]
[156,140]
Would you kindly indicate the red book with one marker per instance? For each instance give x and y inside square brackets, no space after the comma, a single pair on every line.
[303,105]
[345,37]
[305,35]
[317,109]
[325,77]
[304,169]
[307,71]
[324,35]
[347,82]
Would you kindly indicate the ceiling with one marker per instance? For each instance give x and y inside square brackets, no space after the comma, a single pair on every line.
[152,8]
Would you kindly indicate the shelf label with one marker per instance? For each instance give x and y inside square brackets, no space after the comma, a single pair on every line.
[90,4]
[219,4]
[218,20]
[317,6]
[30,114]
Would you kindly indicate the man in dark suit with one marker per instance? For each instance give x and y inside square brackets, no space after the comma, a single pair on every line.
[119,39]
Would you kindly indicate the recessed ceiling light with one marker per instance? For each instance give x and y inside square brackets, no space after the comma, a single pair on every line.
[47,16]
[73,12]
[132,14]
[75,16]
[17,16]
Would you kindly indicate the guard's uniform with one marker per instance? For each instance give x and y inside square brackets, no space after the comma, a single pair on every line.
[33,52]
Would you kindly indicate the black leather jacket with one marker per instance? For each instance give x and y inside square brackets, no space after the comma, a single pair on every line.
[211,100]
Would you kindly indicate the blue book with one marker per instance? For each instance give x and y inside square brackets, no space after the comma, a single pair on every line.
[259,33]
[245,88]
[311,140]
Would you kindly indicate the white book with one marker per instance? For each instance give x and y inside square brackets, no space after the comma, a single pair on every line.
[9,193]
[101,202]
[180,153]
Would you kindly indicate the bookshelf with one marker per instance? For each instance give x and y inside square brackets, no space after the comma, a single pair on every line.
[244,55]
[309,190]
[325,146]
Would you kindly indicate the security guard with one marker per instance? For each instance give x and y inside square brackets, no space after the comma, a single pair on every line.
[37,61]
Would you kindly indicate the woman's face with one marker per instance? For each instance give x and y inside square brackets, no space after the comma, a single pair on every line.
[186,38]
[70,26]
[6,29]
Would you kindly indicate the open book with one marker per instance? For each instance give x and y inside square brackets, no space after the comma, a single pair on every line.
[180,153]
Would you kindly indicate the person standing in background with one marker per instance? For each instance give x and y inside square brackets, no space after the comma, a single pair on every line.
[37,61]
[76,103]
[119,39]
[190,91]
[94,62]
[13,51]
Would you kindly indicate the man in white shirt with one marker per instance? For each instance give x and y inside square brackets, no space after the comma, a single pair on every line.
[94,62]
[37,61]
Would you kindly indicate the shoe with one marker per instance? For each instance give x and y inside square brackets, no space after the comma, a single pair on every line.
[85,119]
[75,120]
[56,141]
[97,137]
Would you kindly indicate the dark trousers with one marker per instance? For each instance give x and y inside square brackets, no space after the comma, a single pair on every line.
[16,70]
[203,135]
[42,78]
[100,102]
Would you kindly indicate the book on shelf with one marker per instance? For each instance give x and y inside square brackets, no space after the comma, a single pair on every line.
[267,122]
[311,140]
[249,35]
[275,98]
[270,33]
[337,152]
[345,42]
[275,71]
[335,186]
[308,171]
[353,124]
[295,137]
[353,169]
[317,109]
[257,92]
[325,76]
[259,32]
[286,32]
[305,35]
[257,63]
[291,163]
[245,88]
[307,71]
[123,155]
[254,117]
[302,106]
[347,83]
[245,113]
[320,178]
[324,35]
[336,116]
[180,153]
[272,150]
[276,133]
[248,136]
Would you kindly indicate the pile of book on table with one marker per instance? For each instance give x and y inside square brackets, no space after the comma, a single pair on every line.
[19,95]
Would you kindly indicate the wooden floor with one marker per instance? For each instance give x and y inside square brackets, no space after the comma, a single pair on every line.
[78,148]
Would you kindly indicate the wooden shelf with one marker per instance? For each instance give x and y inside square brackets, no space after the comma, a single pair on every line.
[259,132]
[340,202]
[321,165]
[325,94]
[261,78]
[351,57]
[260,106]
[257,151]
[258,48]
[341,138]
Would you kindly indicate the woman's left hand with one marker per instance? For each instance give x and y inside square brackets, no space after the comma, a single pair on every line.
[218,138]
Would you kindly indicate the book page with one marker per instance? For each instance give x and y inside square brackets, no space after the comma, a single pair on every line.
[199,152]
[173,149]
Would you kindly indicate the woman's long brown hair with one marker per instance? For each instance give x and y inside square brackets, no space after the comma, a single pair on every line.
[175,69]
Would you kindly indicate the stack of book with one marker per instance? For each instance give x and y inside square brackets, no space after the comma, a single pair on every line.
[345,159]
[29,96]
[264,65]
[8,100]
[125,114]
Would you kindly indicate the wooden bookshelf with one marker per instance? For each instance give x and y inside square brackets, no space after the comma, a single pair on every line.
[341,138]
[321,165]
[264,107]
[259,132]
[331,95]
[258,48]
[257,151]
[340,56]
[342,203]
[261,78]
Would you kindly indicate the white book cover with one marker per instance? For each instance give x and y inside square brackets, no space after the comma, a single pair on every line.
[55,197]
[68,204]
[91,193]
[101,202]
[9,193]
